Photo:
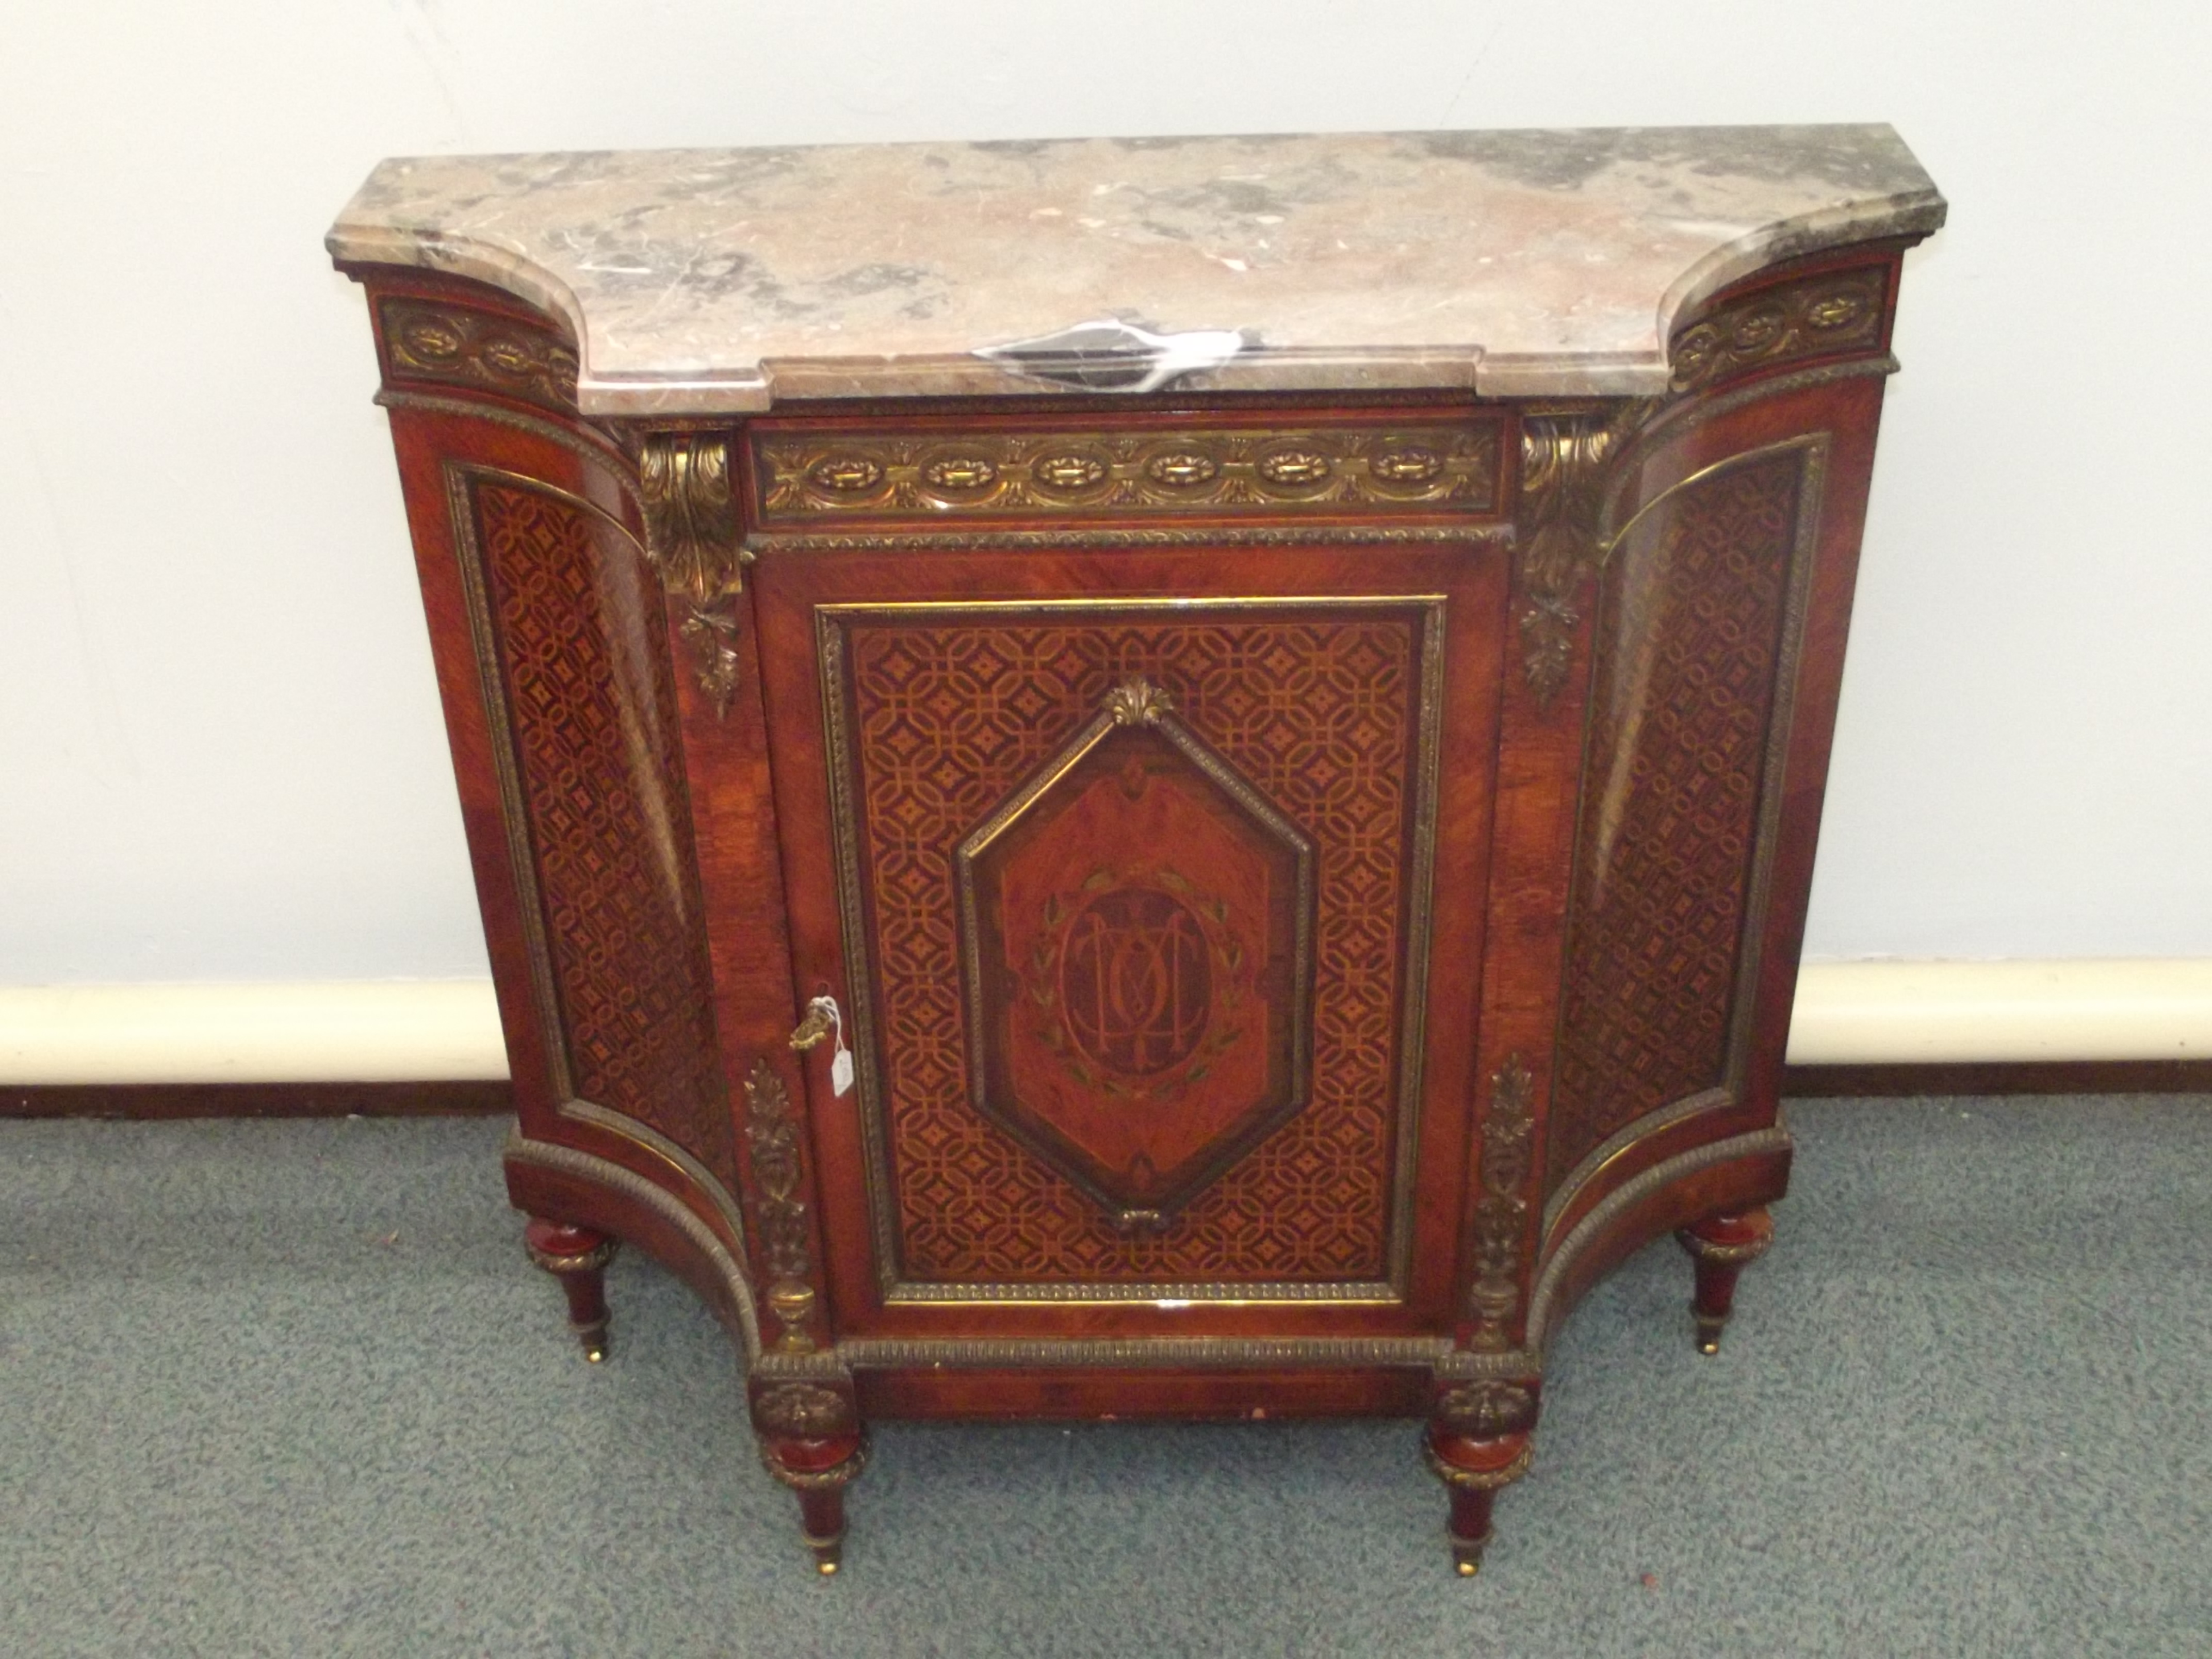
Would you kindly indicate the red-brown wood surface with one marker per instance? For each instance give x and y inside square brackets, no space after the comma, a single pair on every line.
[1537,668]
[1011,1395]
[1759,453]
[454,1097]
[1294,872]
[787,591]
[592,940]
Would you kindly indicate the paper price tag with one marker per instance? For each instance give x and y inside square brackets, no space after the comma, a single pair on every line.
[810,1033]
[840,1057]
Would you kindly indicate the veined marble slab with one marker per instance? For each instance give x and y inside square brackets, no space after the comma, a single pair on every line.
[1535,263]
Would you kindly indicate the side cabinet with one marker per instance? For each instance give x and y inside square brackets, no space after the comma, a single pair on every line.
[1145,905]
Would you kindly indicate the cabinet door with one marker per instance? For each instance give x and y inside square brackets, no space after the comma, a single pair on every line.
[1149,884]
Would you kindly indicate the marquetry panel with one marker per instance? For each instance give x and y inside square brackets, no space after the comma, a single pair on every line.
[947,714]
[1137,953]
[812,478]
[478,350]
[588,697]
[1693,632]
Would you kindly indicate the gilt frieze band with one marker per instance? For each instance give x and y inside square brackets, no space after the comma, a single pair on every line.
[479,350]
[1836,311]
[817,477]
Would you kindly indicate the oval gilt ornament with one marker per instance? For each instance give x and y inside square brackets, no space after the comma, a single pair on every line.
[1181,468]
[959,472]
[433,343]
[1069,470]
[1411,465]
[1833,311]
[847,474]
[1294,468]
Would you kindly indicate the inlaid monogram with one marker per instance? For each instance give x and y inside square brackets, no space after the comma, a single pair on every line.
[1135,980]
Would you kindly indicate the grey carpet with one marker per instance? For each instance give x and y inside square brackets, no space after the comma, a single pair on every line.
[289,1388]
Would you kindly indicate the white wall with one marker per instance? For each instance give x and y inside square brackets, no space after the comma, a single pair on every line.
[219,750]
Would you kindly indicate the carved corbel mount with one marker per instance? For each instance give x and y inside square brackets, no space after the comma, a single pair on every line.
[691,531]
[693,536]
[1563,465]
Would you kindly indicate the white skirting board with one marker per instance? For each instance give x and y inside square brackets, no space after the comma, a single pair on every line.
[416,1031]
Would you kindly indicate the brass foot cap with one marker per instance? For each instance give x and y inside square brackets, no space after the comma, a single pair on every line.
[593,1355]
[1709,1345]
[825,1567]
[1469,1569]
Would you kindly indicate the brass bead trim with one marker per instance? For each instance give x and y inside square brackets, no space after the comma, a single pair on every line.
[829,1479]
[1705,1249]
[1626,1196]
[582,1261]
[1106,536]
[1479,1479]
[1217,1353]
[580,439]
[600,1172]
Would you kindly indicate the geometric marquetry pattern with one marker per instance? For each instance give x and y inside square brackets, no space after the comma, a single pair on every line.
[603,786]
[1318,712]
[1670,804]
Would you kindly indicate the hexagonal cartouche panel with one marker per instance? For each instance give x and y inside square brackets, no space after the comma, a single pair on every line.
[1136,938]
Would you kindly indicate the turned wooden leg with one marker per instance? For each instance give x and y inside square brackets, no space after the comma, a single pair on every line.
[812,1441]
[1719,1246]
[578,1257]
[1478,1439]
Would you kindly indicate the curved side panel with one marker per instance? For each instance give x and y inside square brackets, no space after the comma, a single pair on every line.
[1698,627]
[600,1194]
[583,687]
[1728,538]
[548,630]
[1734,1174]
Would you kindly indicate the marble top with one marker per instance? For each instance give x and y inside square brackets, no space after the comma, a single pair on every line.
[1535,263]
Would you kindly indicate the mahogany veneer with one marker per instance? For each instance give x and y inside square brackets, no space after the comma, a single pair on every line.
[1302,883]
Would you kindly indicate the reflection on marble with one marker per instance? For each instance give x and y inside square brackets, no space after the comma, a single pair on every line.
[1108,355]
[1525,264]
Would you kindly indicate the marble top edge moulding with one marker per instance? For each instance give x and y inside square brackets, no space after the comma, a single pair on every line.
[1543,263]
